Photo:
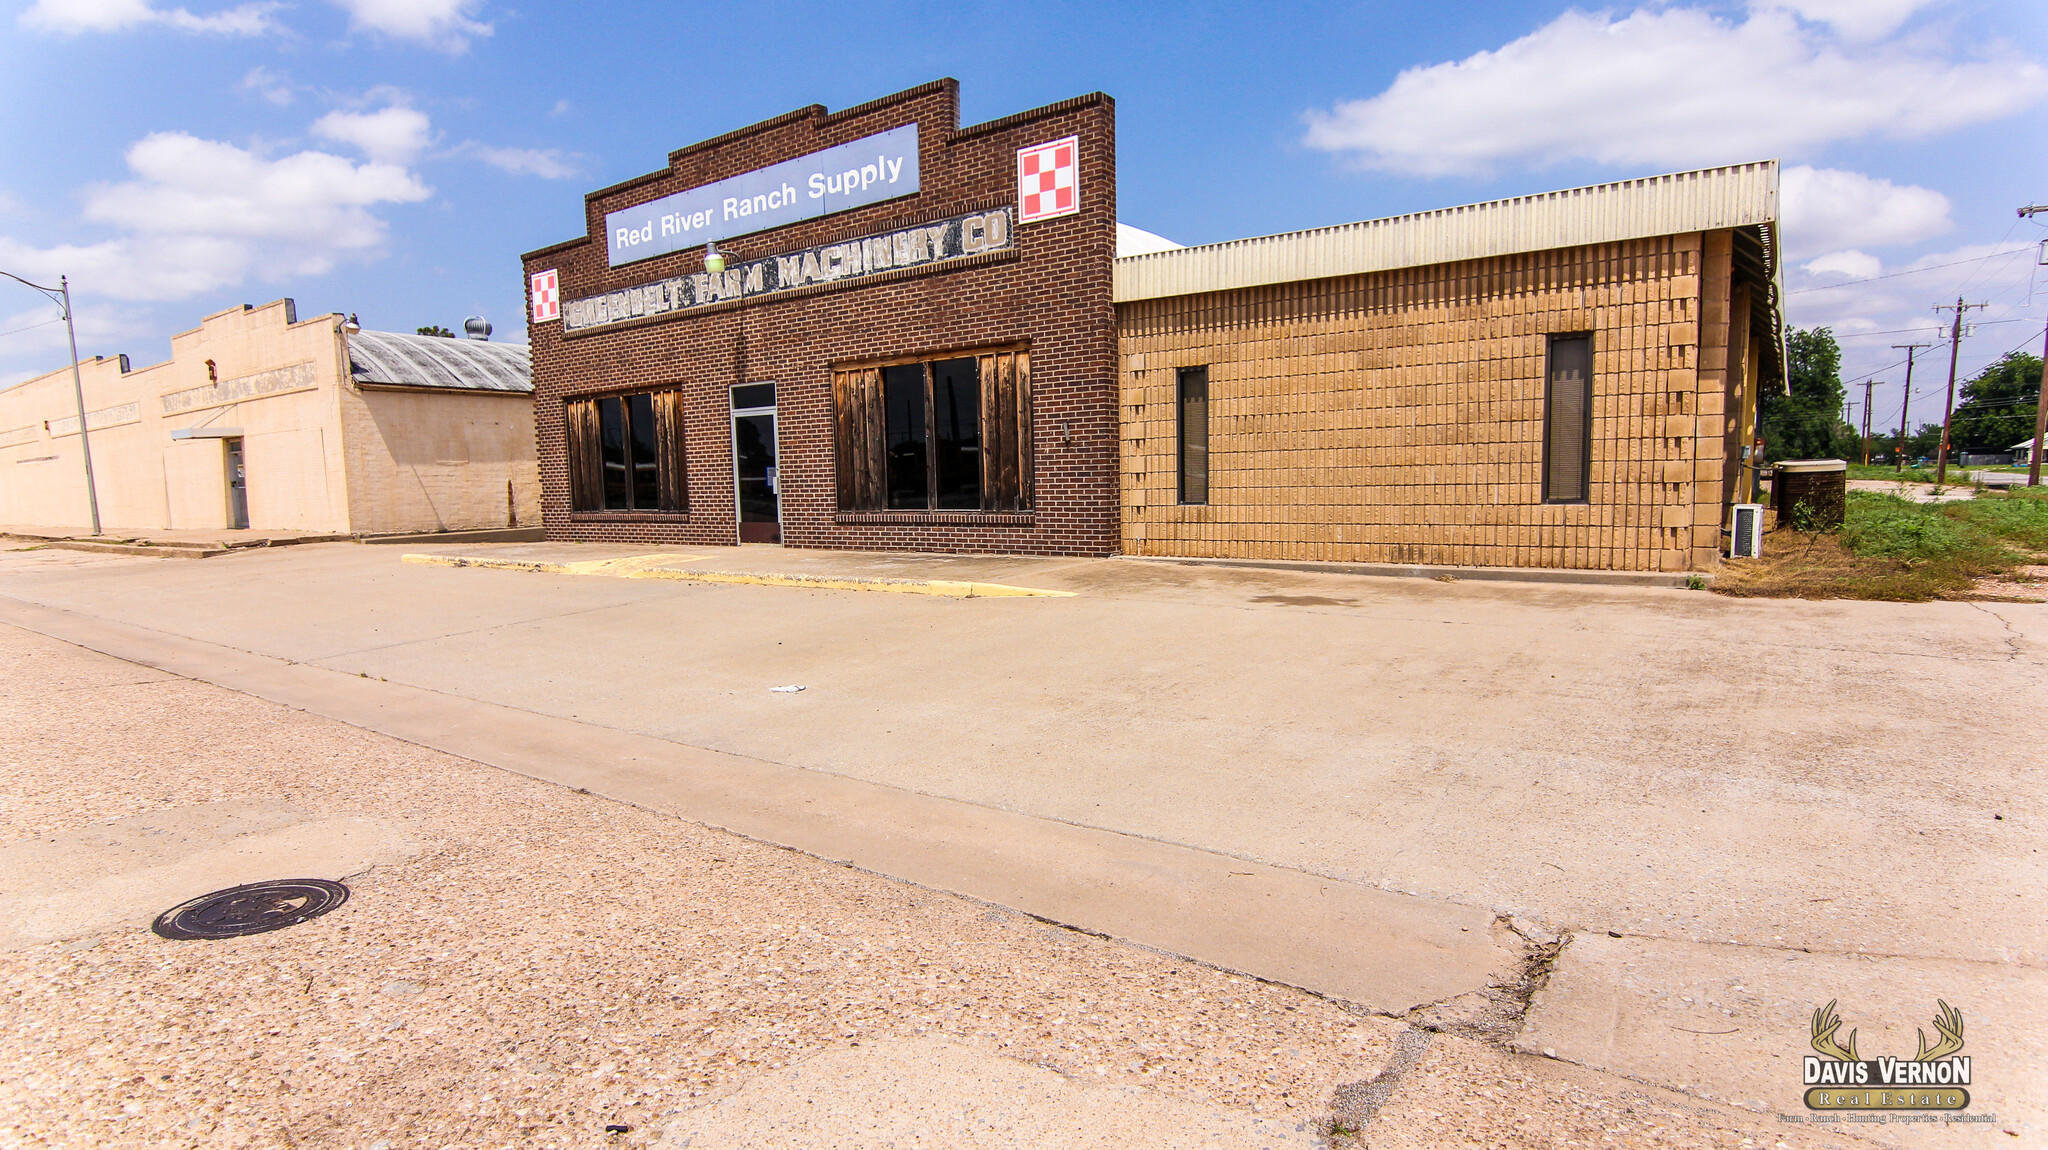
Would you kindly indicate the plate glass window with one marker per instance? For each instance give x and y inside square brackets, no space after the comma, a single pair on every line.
[1568,419]
[1192,405]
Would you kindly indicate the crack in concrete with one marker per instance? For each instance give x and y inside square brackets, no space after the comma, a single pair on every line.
[2013,634]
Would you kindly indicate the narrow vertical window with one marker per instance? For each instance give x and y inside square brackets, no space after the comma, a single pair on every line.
[956,433]
[611,437]
[903,394]
[1193,412]
[1568,419]
[640,438]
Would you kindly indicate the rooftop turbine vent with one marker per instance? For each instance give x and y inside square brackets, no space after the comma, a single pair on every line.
[476,327]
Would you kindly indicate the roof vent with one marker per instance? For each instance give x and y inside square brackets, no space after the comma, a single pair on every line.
[476,327]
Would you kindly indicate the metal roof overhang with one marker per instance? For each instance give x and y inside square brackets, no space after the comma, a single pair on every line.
[1708,199]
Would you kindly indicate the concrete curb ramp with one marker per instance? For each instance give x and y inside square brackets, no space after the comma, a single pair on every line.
[1385,951]
[670,567]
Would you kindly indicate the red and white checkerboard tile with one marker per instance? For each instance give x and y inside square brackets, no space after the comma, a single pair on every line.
[1048,181]
[547,296]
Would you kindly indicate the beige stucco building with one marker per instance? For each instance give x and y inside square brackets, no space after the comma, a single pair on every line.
[262,420]
[1560,380]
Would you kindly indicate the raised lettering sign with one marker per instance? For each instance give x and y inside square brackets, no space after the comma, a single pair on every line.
[941,241]
[867,171]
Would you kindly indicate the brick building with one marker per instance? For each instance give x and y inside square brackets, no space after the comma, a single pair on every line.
[901,350]
[1559,380]
[957,361]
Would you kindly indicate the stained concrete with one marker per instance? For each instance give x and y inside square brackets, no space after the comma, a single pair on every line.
[124,872]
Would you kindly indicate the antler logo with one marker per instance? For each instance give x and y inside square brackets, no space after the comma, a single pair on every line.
[1934,1066]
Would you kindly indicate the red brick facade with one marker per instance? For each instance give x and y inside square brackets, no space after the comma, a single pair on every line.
[1051,293]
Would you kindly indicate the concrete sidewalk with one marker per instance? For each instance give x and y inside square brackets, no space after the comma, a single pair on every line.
[1717,781]
[523,965]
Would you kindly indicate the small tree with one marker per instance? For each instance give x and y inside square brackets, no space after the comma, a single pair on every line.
[1998,405]
[436,329]
[1807,424]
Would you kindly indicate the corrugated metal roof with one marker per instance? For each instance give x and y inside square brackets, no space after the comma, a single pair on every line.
[389,359]
[1702,200]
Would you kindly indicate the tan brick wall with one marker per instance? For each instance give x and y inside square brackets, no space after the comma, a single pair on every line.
[439,460]
[1398,416]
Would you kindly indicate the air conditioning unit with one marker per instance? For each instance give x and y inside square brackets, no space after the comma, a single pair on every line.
[1746,538]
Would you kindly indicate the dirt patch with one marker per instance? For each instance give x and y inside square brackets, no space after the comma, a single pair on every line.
[2027,585]
[1796,567]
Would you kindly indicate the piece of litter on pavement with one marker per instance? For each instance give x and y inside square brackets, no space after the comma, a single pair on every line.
[789,690]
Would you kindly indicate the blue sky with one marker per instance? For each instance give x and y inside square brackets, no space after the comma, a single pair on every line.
[393,157]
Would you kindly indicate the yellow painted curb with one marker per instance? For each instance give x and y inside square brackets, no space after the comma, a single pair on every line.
[659,567]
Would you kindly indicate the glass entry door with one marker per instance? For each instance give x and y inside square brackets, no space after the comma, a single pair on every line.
[753,463]
[238,485]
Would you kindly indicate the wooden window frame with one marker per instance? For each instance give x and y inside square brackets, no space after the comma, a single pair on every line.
[1007,463]
[1585,495]
[584,459]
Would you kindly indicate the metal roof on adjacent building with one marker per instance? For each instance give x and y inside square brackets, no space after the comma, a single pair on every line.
[1704,200]
[390,359]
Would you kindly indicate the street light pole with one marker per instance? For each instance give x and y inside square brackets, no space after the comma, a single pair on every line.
[62,294]
[2041,392]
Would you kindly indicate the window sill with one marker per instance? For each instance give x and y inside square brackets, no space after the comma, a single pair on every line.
[938,518]
[629,517]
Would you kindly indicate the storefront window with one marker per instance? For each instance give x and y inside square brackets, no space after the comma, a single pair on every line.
[936,435]
[625,452]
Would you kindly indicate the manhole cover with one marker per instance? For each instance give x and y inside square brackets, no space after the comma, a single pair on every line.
[251,909]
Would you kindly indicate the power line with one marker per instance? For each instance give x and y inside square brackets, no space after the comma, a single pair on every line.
[1907,272]
[33,326]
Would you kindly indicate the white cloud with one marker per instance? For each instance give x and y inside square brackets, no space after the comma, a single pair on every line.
[1856,19]
[443,24]
[394,135]
[205,215]
[1827,209]
[548,163]
[1847,265]
[1676,87]
[75,16]
[272,86]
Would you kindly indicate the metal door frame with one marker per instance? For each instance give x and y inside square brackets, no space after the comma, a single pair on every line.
[733,433]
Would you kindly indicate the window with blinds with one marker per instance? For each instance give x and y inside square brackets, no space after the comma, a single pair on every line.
[625,452]
[1568,419]
[949,434]
[1192,418]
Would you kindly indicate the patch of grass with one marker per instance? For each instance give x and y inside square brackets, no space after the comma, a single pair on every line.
[1895,549]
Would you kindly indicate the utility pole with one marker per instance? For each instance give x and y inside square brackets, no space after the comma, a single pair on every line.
[1948,410]
[61,294]
[1911,350]
[2041,399]
[1867,385]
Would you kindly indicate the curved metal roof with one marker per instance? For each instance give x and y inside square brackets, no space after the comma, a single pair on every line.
[389,359]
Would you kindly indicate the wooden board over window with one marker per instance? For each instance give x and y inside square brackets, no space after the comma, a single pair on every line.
[948,433]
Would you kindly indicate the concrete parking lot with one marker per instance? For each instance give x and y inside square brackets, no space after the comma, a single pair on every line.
[1681,822]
